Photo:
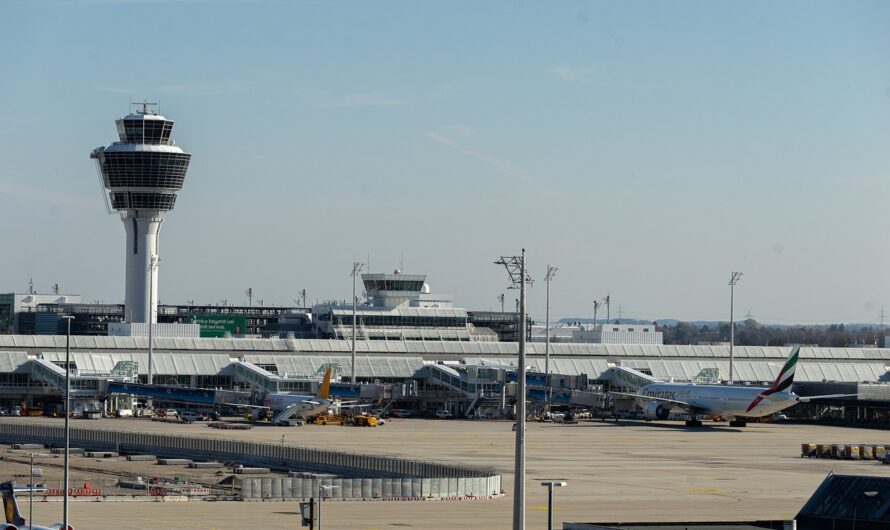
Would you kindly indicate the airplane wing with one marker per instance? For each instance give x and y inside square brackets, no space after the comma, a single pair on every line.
[355,405]
[687,407]
[658,399]
[805,399]
[243,406]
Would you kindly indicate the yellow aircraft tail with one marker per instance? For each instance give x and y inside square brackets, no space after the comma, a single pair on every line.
[324,391]
[10,507]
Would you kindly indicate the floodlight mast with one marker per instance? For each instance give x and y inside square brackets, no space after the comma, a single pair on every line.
[518,272]
[68,319]
[551,272]
[356,269]
[734,280]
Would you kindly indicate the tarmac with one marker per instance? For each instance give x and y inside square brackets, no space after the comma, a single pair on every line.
[626,472]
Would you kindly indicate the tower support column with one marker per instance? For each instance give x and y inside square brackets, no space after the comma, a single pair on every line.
[142,285]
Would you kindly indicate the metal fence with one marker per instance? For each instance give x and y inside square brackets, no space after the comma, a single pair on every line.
[387,477]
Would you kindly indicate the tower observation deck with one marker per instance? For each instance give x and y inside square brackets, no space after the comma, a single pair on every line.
[142,174]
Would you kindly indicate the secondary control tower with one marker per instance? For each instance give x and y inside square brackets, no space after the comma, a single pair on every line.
[142,174]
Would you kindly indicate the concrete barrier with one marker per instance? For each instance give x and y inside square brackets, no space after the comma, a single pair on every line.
[28,446]
[358,476]
[174,461]
[101,454]
[205,465]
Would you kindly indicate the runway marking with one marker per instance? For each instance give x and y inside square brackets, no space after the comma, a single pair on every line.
[704,490]
[543,508]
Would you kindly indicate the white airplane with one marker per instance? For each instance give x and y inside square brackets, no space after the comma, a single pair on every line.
[736,403]
[285,406]
[14,520]
[302,406]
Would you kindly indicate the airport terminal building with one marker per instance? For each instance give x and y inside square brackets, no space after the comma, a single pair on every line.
[466,378]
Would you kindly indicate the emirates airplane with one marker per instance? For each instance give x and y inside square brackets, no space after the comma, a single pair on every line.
[735,403]
[14,520]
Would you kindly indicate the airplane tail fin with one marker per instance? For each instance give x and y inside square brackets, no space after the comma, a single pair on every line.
[10,507]
[786,376]
[324,391]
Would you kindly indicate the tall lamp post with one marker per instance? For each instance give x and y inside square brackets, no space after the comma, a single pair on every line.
[550,484]
[734,280]
[516,268]
[321,490]
[356,269]
[31,489]
[551,272]
[68,318]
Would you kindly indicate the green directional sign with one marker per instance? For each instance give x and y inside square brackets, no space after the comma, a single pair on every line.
[220,325]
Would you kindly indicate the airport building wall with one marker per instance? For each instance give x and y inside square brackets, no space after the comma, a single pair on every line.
[383,488]
[391,477]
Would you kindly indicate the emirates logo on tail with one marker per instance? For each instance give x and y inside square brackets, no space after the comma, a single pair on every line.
[783,381]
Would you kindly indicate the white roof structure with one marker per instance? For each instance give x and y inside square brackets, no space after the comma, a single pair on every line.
[306,365]
[402,366]
[164,363]
[12,361]
[36,343]
[687,370]
[401,359]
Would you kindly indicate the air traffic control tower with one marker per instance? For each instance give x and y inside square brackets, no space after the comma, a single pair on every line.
[142,173]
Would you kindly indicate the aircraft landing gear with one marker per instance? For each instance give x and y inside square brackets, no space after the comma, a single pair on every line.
[738,423]
[694,422]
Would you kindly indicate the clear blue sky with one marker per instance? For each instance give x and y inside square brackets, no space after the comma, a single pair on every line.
[648,149]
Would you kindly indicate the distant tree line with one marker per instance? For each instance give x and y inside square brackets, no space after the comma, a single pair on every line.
[752,333]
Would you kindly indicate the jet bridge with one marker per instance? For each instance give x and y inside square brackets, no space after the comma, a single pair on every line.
[258,378]
[82,384]
[623,379]
[562,396]
[458,381]
[48,372]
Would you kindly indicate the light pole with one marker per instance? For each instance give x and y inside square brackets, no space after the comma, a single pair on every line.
[734,280]
[356,269]
[68,318]
[321,490]
[31,491]
[551,272]
[516,268]
[550,485]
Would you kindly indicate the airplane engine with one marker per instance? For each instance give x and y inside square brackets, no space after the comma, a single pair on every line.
[657,411]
